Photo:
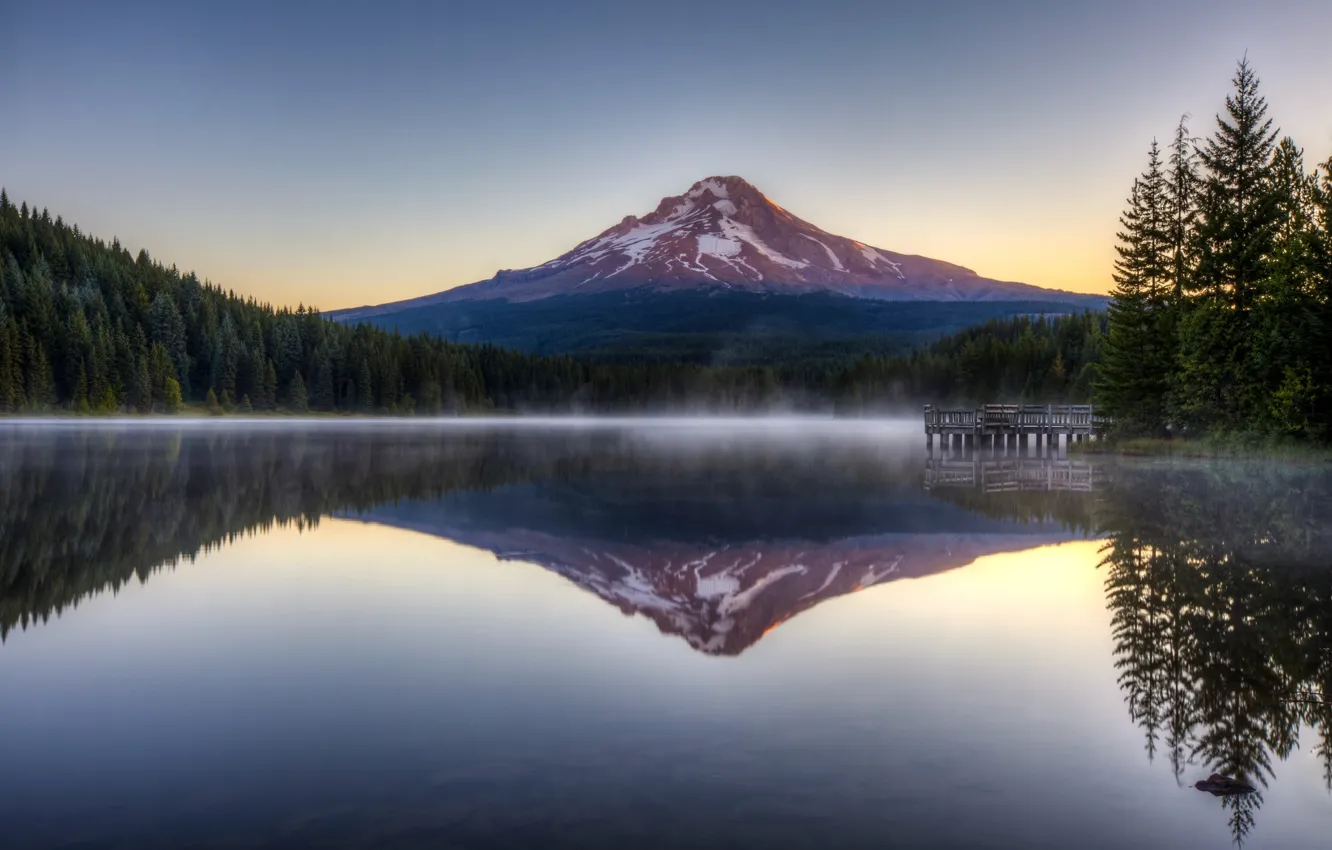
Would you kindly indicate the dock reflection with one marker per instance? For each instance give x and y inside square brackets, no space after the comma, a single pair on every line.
[991,473]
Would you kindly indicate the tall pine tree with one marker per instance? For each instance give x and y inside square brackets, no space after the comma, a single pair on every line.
[1138,358]
[1218,385]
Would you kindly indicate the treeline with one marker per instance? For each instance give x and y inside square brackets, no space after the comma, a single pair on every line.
[1031,358]
[87,327]
[1223,301]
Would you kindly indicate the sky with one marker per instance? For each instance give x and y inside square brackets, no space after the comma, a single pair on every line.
[339,154]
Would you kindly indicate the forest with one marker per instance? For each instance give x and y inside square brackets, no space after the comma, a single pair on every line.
[87,327]
[1220,317]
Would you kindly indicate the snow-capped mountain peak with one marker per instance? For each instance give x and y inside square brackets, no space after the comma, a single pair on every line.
[725,231]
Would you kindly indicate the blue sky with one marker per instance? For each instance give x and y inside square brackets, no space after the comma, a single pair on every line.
[339,154]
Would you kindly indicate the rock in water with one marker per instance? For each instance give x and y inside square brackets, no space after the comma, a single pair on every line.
[1223,786]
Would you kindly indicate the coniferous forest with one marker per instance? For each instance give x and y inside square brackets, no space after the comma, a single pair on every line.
[85,326]
[1223,302]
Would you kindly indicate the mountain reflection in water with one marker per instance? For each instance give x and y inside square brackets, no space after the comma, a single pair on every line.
[1217,577]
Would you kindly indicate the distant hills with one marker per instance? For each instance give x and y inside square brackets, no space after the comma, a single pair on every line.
[719,269]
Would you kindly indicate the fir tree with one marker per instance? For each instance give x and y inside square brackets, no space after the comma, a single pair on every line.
[172,401]
[167,329]
[10,378]
[1238,214]
[107,401]
[1138,360]
[296,396]
[39,383]
[365,394]
[268,393]
[1181,200]
[324,397]
[1237,222]
[141,390]
[1322,344]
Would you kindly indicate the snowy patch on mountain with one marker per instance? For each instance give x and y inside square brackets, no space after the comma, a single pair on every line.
[743,232]
[832,257]
[718,246]
[715,185]
[875,257]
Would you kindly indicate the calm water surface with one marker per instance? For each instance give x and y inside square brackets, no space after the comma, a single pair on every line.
[654,634]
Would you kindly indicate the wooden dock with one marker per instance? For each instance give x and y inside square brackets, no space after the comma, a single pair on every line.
[1012,426]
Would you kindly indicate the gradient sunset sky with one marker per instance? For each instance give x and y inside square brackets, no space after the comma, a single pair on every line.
[340,154]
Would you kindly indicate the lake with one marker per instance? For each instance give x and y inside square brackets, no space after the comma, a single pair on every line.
[639,634]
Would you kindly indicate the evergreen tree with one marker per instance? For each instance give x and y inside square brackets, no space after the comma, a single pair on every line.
[268,393]
[324,397]
[226,357]
[1138,359]
[1181,202]
[172,401]
[1322,344]
[10,375]
[160,370]
[167,329]
[365,394]
[141,392]
[296,396]
[1237,224]
[108,402]
[40,384]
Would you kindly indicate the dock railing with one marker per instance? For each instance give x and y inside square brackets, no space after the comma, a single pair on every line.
[950,419]
[1016,419]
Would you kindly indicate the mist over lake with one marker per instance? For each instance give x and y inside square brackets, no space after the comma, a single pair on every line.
[649,633]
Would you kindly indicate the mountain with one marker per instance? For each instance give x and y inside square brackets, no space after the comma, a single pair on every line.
[724,234]
[721,254]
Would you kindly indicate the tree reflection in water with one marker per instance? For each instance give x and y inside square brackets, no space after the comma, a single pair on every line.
[1219,583]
